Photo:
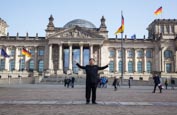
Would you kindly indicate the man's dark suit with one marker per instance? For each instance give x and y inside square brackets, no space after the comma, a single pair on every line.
[91,80]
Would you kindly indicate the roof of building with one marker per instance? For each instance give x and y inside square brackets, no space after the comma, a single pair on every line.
[80,23]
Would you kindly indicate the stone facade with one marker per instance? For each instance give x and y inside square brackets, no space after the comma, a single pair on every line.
[54,54]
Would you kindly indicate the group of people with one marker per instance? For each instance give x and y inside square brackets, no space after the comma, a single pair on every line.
[102,83]
[69,82]
[158,83]
[92,80]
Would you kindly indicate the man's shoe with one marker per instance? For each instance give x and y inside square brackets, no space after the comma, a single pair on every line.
[87,102]
[94,103]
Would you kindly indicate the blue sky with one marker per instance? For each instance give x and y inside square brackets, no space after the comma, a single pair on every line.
[32,15]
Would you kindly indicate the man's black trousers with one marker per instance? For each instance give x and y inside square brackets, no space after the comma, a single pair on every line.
[91,88]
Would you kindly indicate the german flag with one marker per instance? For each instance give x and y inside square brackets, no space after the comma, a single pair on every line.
[158,11]
[121,28]
[26,53]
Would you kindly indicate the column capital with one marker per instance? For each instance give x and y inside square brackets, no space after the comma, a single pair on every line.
[50,44]
[90,44]
[81,43]
[60,44]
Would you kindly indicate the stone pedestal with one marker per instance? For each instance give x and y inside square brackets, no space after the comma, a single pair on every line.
[59,71]
[80,72]
[69,72]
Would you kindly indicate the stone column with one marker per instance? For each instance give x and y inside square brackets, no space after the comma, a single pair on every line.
[162,61]
[126,61]
[135,61]
[100,55]
[145,60]
[91,50]
[35,59]
[81,58]
[176,61]
[50,66]
[70,57]
[17,58]
[26,58]
[60,60]
[116,60]
[81,54]
[7,60]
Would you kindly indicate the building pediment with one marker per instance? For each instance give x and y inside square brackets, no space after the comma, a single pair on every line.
[76,32]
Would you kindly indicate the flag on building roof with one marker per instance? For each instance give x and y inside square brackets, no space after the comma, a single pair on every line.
[158,11]
[121,28]
[133,36]
[3,53]
[26,53]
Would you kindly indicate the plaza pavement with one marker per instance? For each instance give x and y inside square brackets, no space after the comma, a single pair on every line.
[39,99]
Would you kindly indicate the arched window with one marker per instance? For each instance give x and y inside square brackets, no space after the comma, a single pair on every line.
[22,65]
[41,66]
[12,65]
[139,67]
[2,66]
[120,66]
[111,66]
[149,53]
[149,66]
[168,54]
[31,65]
[130,67]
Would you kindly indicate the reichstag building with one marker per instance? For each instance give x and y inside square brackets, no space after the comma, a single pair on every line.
[54,54]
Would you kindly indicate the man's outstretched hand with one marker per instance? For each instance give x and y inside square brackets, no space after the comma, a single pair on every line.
[75,61]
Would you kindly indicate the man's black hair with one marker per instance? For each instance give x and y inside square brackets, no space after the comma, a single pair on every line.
[92,59]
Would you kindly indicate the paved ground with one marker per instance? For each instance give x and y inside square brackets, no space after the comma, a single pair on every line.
[58,100]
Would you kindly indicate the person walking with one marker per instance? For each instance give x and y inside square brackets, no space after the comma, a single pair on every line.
[129,82]
[172,83]
[166,83]
[157,82]
[72,82]
[91,79]
[115,82]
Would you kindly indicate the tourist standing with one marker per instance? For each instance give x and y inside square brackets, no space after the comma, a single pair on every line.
[91,79]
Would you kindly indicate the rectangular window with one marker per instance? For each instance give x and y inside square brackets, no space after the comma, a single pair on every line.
[168,68]
[12,53]
[41,52]
[32,52]
[111,53]
[130,54]
[111,66]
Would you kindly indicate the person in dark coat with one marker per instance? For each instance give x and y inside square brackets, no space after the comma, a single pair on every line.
[166,84]
[172,83]
[91,79]
[72,82]
[115,82]
[157,82]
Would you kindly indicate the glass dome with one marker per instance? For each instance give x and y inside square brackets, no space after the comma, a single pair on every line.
[80,23]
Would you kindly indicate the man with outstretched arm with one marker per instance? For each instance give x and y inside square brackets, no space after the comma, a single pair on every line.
[91,79]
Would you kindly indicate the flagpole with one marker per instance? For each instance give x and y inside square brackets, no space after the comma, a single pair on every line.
[122,54]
